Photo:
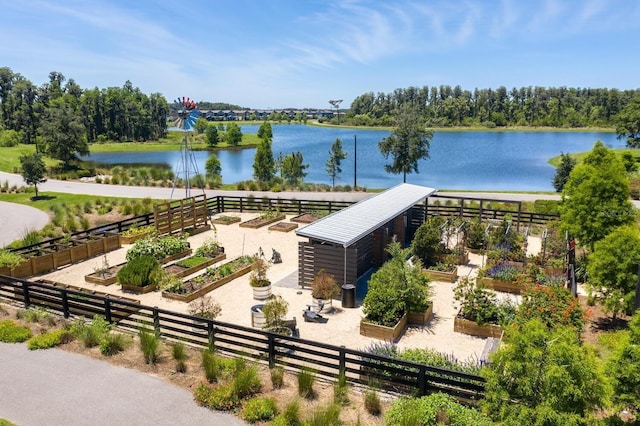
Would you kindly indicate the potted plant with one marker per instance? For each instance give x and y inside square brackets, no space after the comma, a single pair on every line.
[204,307]
[323,289]
[259,281]
[274,312]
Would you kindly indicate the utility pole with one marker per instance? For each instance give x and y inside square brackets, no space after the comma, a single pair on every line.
[336,104]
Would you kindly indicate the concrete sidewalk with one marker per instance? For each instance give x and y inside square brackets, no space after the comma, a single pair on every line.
[54,387]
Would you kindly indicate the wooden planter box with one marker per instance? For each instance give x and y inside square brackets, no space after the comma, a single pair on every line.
[176,256]
[283,227]
[304,218]
[448,277]
[139,290]
[24,269]
[95,247]
[231,220]
[96,278]
[62,257]
[79,252]
[259,223]
[554,271]
[5,270]
[498,285]
[130,239]
[207,287]
[180,271]
[389,334]
[198,230]
[472,328]
[420,318]
[43,263]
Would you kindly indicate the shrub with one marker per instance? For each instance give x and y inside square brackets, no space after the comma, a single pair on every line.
[290,415]
[260,409]
[372,402]
[90,334]
[149,345]
[247,382]
[157,248]
[277,376]
[258,276]
[36,314]
[217,398]
[211,365]
[306,379]
[427,241]
[341,389]
[10,259]
[433,409]
[481,305]
[274,311]
[140,272]
[49,340]
[205,307]
[179,353]
[114,343]
[324,286]
[325,416]
[209,248]
[12,332]
[553,305]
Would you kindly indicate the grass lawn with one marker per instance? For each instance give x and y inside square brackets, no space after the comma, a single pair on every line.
[10,158]
[555,161]
[49,199]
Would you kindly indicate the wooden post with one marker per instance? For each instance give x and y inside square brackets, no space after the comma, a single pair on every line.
[271,350]
[211,336]
[25,293]
[342,360]
[107,309]
[156,320]
[65,302]
[422,381]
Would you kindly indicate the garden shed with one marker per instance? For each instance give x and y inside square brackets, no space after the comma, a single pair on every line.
[349,242]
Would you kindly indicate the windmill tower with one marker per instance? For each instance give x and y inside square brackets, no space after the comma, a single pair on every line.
[187,116]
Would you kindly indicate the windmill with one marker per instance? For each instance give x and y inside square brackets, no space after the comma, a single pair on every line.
[187,116]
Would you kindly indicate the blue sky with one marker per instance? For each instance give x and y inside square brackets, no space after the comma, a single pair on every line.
[302,53]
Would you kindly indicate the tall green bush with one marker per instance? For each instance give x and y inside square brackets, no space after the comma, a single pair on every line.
[140,272]
[427,241]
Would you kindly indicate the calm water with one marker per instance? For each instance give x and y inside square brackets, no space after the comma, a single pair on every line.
[459,160]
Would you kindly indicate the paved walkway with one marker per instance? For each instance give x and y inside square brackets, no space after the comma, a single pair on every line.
[18,219]
[54,387]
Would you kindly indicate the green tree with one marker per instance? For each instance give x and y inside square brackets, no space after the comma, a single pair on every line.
[628,123]
[233,135]
[596,197]
[427,241]
[201,125]
[612,269]
[407,144]
[567,163]
[293,168]
[624,368]
[63,133]
[211,136]
[213,170]
[33,170]
[336,155]
[265,131]
[629,162]
[263,163]
[544,377]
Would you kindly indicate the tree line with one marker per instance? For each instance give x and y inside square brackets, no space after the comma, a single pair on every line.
[115,113]
[445,106]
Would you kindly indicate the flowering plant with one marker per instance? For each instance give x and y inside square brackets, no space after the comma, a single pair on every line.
[553,305]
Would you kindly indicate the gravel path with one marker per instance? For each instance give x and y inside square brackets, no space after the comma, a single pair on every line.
[54,387]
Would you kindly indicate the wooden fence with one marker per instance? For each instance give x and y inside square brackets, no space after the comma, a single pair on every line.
[291,352]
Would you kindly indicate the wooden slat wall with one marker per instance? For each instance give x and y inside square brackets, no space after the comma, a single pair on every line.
[314,257]
[178,215]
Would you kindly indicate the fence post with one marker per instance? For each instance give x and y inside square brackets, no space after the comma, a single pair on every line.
[156,320]
[271,350]
[211,335]
[65,302]
[330,211]
[240,204]
[25,293]
[342,360]
[422,381]
[107,309]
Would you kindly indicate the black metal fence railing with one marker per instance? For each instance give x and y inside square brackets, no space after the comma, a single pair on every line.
[294,353]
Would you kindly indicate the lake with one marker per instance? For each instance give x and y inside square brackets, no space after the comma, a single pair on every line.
[508,161]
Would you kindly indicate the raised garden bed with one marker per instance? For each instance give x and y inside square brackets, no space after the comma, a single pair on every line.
[392,334]
[199,286]
[176,256]
[448,277]
[108,277]
[261,221]
[304,218]
[183,268]
[460,259]
[499,285]
[472,328]
[133,235]
[226,220]
[139,290]
[283,227]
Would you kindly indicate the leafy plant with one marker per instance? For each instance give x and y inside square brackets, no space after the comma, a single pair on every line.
[90,334]
[553,305]
[437,408]
[192,261]
[139,230]
[158,248]
[49,339]
[37,314]
[260,409]
[324,286]
[10,259]
[140,271]
[259,274]
[12,332]
[395,289]
[114,343]
[205,307]
[170,282]
[427,242]
[209,248]
[274,311]
[481,305]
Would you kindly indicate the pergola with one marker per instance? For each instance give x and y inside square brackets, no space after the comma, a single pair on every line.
[349,242]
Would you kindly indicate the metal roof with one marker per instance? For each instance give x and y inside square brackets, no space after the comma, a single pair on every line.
[349,225]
